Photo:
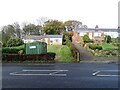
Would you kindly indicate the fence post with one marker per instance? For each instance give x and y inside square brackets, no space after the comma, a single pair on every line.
[78,57]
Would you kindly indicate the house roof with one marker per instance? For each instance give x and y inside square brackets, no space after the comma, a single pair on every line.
[40,37]
[33,37]
[99,30]
[53,36]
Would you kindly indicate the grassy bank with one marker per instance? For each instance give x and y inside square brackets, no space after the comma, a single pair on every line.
[63,53]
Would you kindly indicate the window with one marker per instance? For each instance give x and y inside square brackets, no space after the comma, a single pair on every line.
[97,34]
[82,34]
[56,40]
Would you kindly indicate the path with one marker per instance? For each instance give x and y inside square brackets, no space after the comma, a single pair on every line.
[85,55]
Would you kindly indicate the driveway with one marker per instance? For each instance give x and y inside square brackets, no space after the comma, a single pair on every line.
[85,55]
[60,75]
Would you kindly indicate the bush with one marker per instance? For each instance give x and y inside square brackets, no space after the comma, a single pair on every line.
[99,47]
[14,42]
[94,47]
[108,39]
[86,38]
[13,50]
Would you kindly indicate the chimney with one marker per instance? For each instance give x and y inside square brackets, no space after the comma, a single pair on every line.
[96,27]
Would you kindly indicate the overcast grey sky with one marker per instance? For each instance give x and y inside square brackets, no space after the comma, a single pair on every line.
[90,12]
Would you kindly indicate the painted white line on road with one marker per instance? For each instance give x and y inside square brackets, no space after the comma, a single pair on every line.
[38,74]
[100,75]
[111,70]
[43,70]
[95,73]
[105,75]
[53,73]
[26,74]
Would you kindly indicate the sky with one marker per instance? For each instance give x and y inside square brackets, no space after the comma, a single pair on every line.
[103,13]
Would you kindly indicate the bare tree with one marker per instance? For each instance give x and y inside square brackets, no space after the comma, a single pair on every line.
[42,20]
[17,29]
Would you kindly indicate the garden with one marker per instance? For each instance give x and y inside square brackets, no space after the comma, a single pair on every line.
[15,52]
[103,50]
[108,48]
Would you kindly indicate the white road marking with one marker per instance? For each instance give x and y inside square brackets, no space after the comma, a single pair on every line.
[38,74]
[95,73]
[104,75]
[43,70]
[100,75]
[54,73]
[111,70]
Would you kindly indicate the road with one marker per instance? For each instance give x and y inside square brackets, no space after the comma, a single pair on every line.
[60,75]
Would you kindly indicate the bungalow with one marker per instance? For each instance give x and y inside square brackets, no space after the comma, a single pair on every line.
[49,39]
[53,39]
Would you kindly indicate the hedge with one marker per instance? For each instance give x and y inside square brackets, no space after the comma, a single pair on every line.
[12,42]
[23,57]
[94,47]
[13,50]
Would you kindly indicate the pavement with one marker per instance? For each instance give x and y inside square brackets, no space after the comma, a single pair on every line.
[60,75]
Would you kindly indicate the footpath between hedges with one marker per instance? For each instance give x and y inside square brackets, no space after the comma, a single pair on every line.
[86,56]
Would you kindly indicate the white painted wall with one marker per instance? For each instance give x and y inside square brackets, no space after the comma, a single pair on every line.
[97,34]
[28,40]
[54,40]
[82,33]
[90,35]
[112,34]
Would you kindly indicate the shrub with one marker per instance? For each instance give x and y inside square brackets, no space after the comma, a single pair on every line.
[107,39]
[21,52]
[13,50]
[68,43]
[12,42]
[86,38]
[94,47]
[99,47]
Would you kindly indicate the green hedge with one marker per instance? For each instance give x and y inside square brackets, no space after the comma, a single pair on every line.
[94,47]
[12,42]
[13,50]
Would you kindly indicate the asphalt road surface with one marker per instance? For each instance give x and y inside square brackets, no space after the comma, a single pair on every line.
[60,75]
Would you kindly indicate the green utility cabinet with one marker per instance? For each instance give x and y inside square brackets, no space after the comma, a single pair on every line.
[36,48]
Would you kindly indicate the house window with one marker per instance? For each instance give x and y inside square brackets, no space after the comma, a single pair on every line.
[56,40]
[82,34]
[97,34]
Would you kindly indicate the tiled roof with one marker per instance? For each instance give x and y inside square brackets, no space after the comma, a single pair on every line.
[33,37]
[40,37]
[53,36]
[99,30]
